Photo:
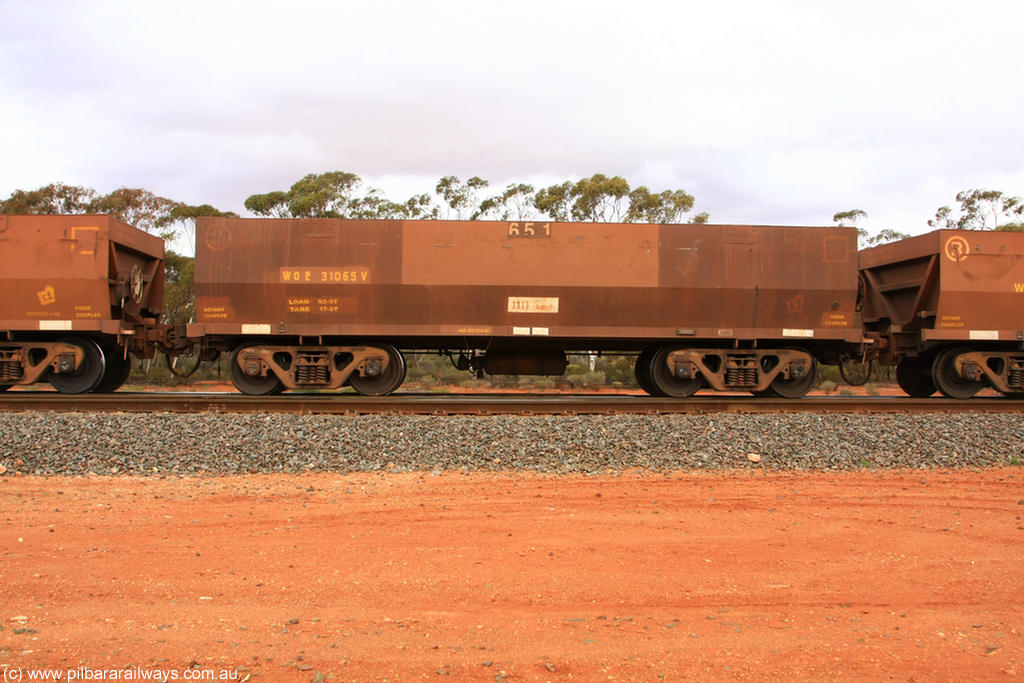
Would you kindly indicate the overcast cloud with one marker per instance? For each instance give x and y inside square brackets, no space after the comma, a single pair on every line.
[768,112]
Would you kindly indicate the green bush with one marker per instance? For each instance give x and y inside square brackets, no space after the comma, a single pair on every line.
[829,373]
[430,370]
[616,369]
[589,380]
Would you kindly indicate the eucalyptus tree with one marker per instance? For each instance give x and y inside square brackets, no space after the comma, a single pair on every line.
[607,199]
[461,197]
[980,210]
[54,198]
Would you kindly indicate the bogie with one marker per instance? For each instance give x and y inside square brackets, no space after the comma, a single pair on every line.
[68,379]
[949,377]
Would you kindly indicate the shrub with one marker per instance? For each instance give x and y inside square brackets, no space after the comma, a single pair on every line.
[577,369]
[616,368]
[829,373]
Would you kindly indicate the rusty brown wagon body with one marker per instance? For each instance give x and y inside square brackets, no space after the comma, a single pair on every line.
[947,308]
[324,302]
[79,293]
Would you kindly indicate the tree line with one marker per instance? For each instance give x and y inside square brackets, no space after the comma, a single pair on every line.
[977,210]
[340,194]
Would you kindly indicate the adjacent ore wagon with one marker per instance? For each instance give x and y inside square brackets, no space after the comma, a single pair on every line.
[79,293]
[948,310]
[324,303]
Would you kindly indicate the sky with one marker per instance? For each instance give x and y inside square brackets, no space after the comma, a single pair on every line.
[768,112]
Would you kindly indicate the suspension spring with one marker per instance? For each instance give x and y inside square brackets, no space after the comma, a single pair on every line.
[10,370]
[311,374]
[1017,374]
[741,377]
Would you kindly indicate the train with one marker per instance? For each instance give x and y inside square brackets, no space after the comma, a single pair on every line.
[323,304]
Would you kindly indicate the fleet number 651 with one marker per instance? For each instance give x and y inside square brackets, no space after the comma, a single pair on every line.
[529,230]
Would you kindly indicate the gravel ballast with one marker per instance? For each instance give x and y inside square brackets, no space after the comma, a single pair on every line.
[138,443]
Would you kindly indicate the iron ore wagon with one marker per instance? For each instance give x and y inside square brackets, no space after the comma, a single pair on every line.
[79,293]
[947,308]
[325,303]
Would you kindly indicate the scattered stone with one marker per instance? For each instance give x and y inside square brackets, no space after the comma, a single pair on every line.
[754,457]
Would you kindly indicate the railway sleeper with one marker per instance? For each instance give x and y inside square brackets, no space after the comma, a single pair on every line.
[320,367]
[755,370]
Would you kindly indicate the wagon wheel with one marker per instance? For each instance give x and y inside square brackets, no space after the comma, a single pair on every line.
[854,372]
[387,381]
[254,386]
[186,369]
[89,371]
[795,388]
[914,377]
[118,369]
[667,383]
[946,379]
[642,371]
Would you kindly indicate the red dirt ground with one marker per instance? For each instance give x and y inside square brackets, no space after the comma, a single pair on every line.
[909,576]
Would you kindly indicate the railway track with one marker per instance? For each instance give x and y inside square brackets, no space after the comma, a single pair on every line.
[484,404]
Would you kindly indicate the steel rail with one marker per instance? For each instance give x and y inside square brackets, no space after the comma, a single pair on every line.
[484,404]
